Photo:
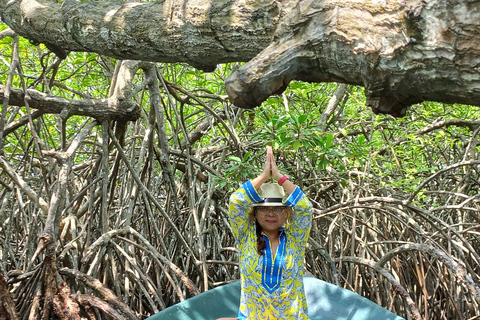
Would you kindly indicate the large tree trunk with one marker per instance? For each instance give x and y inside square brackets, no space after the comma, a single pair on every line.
[402,52]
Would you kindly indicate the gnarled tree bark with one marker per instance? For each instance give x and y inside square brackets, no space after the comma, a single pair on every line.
[7,305]
[402,52]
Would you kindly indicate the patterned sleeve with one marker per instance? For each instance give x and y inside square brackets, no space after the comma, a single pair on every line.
[302,215]
[244,197]
[240,203]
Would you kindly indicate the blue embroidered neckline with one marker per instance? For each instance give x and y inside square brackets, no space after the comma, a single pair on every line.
[272,268]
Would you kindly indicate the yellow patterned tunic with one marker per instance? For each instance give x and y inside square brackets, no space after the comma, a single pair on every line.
[272,288]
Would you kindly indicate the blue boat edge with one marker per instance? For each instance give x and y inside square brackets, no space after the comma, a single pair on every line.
[325,301]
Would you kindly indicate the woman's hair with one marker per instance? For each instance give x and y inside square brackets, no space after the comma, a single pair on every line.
[260,240]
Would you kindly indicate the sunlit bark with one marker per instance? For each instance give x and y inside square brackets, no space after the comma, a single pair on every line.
[402,52]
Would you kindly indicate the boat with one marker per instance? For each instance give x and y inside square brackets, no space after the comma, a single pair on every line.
[325,301]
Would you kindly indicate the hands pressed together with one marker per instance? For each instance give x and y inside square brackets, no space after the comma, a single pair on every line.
[270,170]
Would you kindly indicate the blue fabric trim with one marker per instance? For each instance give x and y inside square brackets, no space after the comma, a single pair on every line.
[272,269]
[251,192]
[294,197]
[241,316]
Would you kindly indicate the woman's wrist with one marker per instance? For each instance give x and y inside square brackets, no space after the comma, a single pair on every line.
[282,180]
[278,176]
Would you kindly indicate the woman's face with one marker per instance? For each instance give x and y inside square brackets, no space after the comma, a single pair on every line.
[271,218]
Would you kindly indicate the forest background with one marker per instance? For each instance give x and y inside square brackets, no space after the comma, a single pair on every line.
[139,207]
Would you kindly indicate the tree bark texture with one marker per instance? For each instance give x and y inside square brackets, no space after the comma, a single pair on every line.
[96,108]
[402,52]
[198,32]
[7,305]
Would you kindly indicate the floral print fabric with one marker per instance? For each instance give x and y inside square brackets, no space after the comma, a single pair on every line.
[272,285]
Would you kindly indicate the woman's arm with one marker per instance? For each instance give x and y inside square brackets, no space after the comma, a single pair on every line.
[239,205]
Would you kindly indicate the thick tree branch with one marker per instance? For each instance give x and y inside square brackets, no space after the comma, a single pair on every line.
[402,52]
[108,298]
[95,108]
[201,33]
[87,300]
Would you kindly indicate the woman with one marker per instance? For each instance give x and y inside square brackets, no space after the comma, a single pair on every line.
[271,223]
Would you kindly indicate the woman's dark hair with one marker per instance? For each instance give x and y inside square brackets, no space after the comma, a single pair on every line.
[260,241]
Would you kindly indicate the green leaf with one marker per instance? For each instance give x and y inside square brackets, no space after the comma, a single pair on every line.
[297,145]
[328,141]
[361,139]
[302,118]
[235,159]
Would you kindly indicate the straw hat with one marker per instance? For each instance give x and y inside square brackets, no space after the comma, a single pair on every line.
[273,195]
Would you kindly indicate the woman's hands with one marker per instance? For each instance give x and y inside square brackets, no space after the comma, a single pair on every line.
[270,170]
[272,165]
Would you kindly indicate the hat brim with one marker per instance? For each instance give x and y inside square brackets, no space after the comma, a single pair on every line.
[270,202]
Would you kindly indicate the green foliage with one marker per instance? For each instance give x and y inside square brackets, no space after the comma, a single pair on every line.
[241,169]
